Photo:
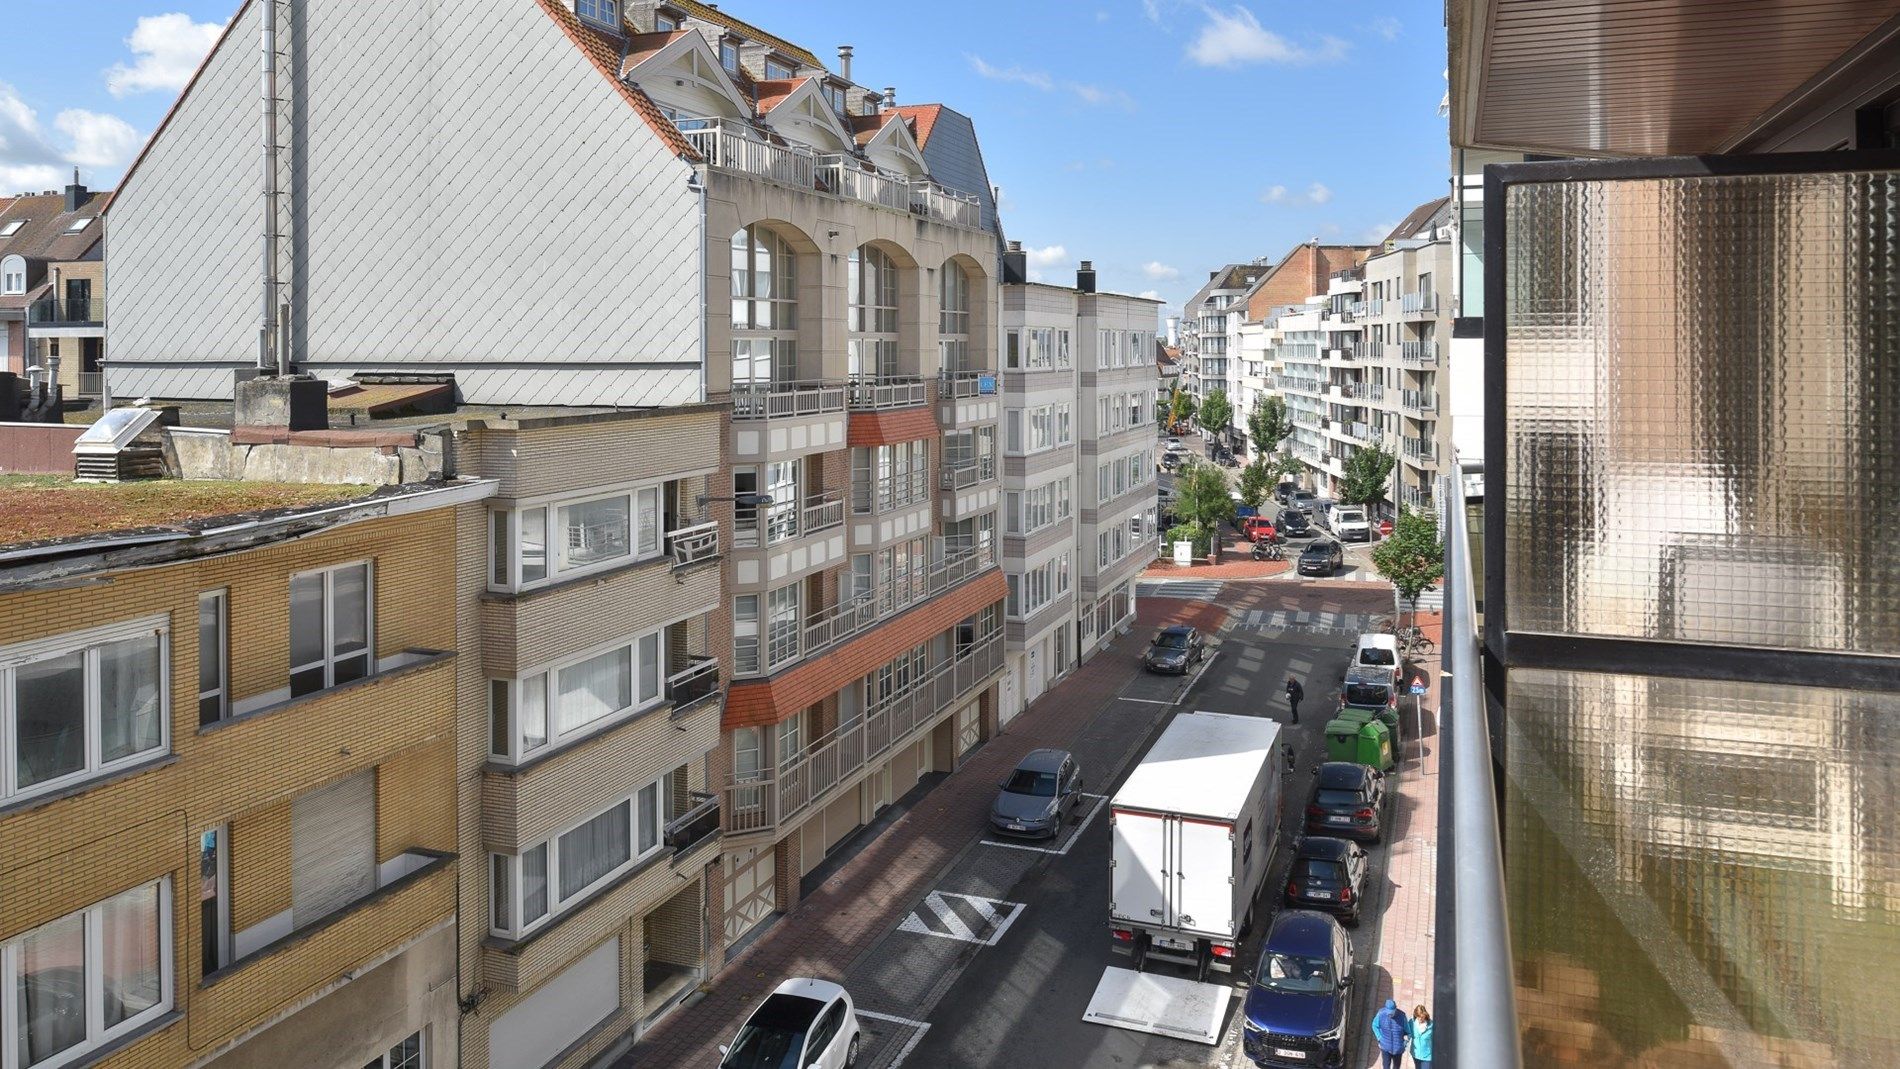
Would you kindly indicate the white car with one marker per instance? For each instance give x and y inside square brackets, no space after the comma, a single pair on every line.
[806,1023]
[1349,523]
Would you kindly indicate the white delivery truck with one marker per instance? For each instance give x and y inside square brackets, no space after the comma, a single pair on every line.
[1192,834]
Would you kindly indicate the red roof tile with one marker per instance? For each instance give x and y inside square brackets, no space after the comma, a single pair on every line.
[773,92]
[922,119]
[641,46]
[606,52]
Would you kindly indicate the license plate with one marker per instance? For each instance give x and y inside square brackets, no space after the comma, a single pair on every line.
[1319,894]
[1017,827]
[1338,820]
[1174,944]
[1282,1052]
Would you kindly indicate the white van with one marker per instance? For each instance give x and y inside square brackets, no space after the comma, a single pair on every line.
[1378,651]
[1349,523]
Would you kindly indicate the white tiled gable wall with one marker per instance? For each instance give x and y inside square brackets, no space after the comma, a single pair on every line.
[480,199]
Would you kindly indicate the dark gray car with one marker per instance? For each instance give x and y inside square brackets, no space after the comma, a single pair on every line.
[1046,786]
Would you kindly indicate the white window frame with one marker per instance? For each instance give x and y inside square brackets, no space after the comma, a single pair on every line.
[421,1036]
[97,1034]
[558,568]
[547,677]
[509,865]
[88,642]
[328,661]
[221,600]
[12,268]
[599,12]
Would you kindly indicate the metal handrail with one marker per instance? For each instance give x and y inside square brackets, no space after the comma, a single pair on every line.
[940,202]
[67,310]
[847,176]
[783,400]
[690,545]
[696,681]
[874,393]
[696,825]
[967,473]
[781,522]
[1474,983]
[741,148]
[956,385]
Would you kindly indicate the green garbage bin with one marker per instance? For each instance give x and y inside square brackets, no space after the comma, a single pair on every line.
[1342,740]
[1385,714]
[1374,746]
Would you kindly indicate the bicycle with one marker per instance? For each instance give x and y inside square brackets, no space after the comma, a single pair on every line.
[1413,640]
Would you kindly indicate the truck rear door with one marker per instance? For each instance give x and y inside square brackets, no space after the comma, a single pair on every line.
[1139,883]
[1203,879]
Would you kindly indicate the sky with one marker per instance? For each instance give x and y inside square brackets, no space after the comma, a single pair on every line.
[1158,138]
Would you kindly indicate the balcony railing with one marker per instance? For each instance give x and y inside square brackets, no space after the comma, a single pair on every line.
[694,543]
[889,724]
[695,683]
[941,202]
[69,310]
[1421,401]
[956,385]
[1374,391]
[1419,303]
[892,491]
[699,823]
[1421,449]
[965,474]
[1477,997]
[846,176]
[1423,353]
[784,521]
[786,400]
[1358,432]
[736,147]
[876,394]
[92,383]
[1366,308]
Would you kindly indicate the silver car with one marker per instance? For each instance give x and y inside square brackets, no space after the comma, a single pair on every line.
[1046,787]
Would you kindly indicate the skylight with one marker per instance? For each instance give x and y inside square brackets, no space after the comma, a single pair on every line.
[12,228]
[78,225]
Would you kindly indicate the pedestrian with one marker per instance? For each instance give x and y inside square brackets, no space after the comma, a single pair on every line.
[1420,1030]
[1390,1028]
[1294,695]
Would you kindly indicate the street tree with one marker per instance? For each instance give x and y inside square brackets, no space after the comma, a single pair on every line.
[1366,473]
[1256,481]
[1216,412]
[1412,558]
[1201,496]
[1269,424]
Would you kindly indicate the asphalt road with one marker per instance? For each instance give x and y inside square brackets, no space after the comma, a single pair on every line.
[1020,1002]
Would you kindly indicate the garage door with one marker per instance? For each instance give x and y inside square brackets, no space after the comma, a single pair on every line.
[970,726]
[559,1012]
[750,897]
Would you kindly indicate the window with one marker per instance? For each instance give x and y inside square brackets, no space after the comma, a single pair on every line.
[834,96]
[12,228]
[663,23]
[871,288]
[791,739]
[551,877]
[953,318]
[745,634]
[776,69]
[746,755]
[13,268]
[566,701]
[82,705]
[1012,349]
[75,984]
[407,1054]
[729,56]
[1030,592]
[330,624]
[592,533]
[214,899]
[603,12]
[78,225]
[213,670]
[764,307]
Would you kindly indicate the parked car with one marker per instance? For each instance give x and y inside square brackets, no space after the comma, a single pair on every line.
[804,1024]
[1297,997]
[1045,788]
[1349,523]
[1284,492]
[1321,557]
[1258,529]
[1378,649]
[1329,875]
[1294,524]
[1174,649]
[1304,501]
[1347,801]
[1171,461]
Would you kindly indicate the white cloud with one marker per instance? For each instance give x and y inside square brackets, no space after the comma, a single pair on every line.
[30,159]
[1318,194]
[1047,256]
[1086,93]
[1153,295]
[1235,38]
[1160,272]
[1273,195]
[1386,26]
[1152,10]
[1315,194]
[1378,231]
[166,49]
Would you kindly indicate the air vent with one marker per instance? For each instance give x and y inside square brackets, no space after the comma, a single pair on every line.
[109,451]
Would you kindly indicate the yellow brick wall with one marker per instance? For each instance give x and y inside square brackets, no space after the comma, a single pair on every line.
[260,865]
[415,794]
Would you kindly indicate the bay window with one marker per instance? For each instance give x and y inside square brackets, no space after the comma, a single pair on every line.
[73,985]
[601,530]
[77,706]
[330,623]
[567,701]
[543,881]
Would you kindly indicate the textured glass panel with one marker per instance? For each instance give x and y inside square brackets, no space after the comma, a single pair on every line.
[1701,874]
[1703,415]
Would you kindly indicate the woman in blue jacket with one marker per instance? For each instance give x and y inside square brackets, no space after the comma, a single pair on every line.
[1419,1028]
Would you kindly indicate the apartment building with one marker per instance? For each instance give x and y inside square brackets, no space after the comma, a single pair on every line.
[1078,470]
[1205,330]
[52,288]
[1405,320]
[228,802]
[747,498]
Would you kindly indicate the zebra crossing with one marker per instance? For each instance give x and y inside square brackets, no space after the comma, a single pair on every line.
[965,918]
[1322,623]
[1432,600]
[1188,589]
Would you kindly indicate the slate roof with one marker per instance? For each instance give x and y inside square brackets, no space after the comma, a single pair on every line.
[1419,220]
[44,238]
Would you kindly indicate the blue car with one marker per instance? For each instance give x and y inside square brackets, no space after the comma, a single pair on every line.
[1297,995]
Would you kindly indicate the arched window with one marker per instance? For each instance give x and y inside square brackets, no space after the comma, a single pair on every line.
[871,348]
[13,275]
[953,318]
[764,307]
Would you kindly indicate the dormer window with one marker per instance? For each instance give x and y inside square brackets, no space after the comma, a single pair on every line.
[664,23]
[13,276]
[605,13]
[729,55]
[777,70]
[834,95]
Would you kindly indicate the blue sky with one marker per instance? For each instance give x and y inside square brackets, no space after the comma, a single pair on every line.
[1159,138]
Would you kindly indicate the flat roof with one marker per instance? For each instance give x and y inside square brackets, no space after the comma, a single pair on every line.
[55,508]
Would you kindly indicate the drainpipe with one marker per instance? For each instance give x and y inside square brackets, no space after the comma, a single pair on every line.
[697,184]
[271,359]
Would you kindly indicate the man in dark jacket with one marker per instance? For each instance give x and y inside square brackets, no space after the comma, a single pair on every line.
[1294,695]
[1388,1027]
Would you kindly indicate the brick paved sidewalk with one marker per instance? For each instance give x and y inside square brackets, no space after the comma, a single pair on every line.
[1404,963]
[873,891]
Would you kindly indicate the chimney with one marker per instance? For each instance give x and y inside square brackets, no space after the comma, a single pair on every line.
[1085,277]
[76,195]
[890,96]
[1211,275]
[844,62]
[1015,264]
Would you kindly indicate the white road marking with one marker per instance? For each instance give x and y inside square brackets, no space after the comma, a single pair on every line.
[1145,701]
[1074,836]
[995,921]
[918,1028]
[1205,665]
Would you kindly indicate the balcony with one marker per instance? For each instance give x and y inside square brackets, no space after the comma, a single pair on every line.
[835,759]
[92,383]
[853,179]
[1373,391]
[1423,402]
[1424,303]
[885,392]
[1423,450]
[66,312]
[1367,308]
[892,492]
[1358,432]
[694,544]
[693,827]
[959,385]
[1366,350]
[738,147]
[1419,353]
[944,204]
[964,474]
[783,522]
[786,400]
[695,683]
